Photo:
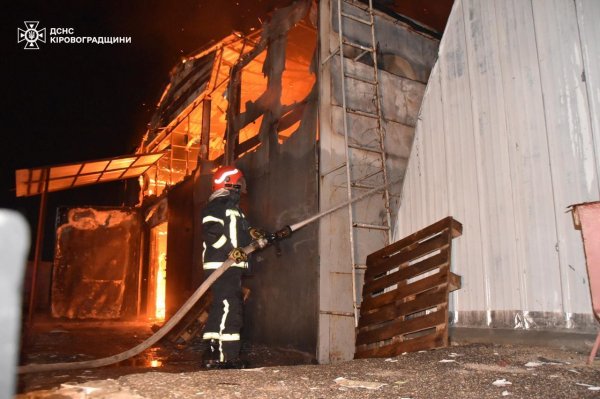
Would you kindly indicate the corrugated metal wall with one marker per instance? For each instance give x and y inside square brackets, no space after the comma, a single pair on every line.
[508,137]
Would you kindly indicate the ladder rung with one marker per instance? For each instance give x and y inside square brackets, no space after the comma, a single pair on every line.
[363,186]
[370,226]
[363,7]
[360,46]
[362,113]
[330,55]
[363,178]
[361,148]
[371,82]
[357,19]
[360,267]
[342,165]
[358,57]
[336,313]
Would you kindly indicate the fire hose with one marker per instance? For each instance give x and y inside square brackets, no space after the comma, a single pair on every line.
[185,308]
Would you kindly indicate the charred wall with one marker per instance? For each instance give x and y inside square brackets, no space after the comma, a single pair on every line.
[282,190]
[179,246]
[96,266]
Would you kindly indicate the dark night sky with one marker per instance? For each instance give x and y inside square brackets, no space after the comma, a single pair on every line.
[68,103]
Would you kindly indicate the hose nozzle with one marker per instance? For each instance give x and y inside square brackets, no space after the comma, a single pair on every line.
[279,234]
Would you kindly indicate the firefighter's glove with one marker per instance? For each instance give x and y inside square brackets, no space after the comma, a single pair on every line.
[257,234]
[238,255]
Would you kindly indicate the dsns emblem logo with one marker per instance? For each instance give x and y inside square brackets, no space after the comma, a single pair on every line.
[31,35]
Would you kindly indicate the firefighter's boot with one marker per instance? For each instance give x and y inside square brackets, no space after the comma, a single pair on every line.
[210,357]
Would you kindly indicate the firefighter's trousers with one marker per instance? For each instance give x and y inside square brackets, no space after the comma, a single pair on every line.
[225,317]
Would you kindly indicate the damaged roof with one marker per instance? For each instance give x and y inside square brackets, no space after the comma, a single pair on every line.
[430,13]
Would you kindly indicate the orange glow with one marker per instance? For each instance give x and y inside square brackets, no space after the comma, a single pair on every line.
[152,358]
[182,134]
[161,286]
[157,281]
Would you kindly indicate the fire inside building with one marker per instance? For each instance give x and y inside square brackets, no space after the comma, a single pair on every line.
[333,101]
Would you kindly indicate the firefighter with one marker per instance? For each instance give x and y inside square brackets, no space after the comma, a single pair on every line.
[225,232]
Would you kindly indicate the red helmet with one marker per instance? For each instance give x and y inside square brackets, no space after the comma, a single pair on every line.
[228,177]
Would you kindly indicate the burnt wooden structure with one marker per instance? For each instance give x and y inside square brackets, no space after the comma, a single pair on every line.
[96,266]
[272,103]
[405,295]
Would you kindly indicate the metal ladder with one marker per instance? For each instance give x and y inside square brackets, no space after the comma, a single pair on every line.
[354,182]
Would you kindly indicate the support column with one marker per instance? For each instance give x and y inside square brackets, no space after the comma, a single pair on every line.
[39,241]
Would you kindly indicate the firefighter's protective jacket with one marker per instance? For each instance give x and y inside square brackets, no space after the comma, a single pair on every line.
[224,227]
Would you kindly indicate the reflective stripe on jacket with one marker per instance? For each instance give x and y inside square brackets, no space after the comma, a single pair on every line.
[224,227]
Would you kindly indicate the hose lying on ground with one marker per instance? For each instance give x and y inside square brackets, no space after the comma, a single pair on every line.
[157,336]
[172,322]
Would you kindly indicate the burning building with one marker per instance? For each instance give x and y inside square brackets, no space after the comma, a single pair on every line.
[330,100]
[273,105]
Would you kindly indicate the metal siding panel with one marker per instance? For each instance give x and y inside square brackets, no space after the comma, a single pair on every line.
[451,122]
[528,150]
[428,180]
[424,175]
[588,15]
[435,156]
[403,219]
[513,166]
[491,152]
[417,183]
[406,223]
[574,173]
[463,198]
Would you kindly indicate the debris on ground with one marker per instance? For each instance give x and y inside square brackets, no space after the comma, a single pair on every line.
[588,386]
[107,389]
[534,364]
[358,384]
[165,372]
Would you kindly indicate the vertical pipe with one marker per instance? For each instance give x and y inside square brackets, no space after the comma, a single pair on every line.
[141,259]
[188,134]
[388,212]
[238,107]
[233,110]
[171,159]
[348,163]
[38,242]
[205,133]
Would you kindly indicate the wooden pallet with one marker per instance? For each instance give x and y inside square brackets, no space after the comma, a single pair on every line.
[405,293]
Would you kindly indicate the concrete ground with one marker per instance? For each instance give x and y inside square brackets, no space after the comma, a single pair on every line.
[469,370]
